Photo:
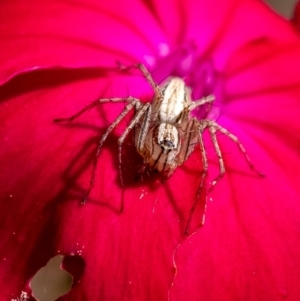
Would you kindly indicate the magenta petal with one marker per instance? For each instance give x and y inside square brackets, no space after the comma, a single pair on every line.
[240,31]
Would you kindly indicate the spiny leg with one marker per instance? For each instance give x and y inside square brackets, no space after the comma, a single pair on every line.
[94,104]
[190,135]
[202,101]
[100,144]
[140,139]
[144,129]
[201,185]
[213,136]
[141,111]
[240,145]
[150,79]
[147,75]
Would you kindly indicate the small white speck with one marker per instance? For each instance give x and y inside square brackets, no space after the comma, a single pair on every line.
[10,195]
[14,233]
[154,205]
[143,194]
[24,296]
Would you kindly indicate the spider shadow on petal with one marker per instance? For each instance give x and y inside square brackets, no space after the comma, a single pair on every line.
[76,176]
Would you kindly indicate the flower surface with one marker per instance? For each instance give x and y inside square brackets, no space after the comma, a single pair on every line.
[57,57]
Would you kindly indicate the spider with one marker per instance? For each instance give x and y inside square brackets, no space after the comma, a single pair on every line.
[165,133]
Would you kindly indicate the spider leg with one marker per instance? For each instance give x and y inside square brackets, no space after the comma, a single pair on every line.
[102,140]
[201,185]
[202,101]
[216,126]
[144,128]
[147,75]
[139,114]
[150,79]
[140,138]
[190,139]
[94,104]
[212,130]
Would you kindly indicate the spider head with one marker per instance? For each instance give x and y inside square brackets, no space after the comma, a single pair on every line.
[163,147]
[167,137]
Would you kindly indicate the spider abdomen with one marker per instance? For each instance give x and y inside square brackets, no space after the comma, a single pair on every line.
[174,101]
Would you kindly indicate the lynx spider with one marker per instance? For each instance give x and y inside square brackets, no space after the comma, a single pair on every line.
[165,132]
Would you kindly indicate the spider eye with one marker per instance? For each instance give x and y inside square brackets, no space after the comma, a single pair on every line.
[167,137]
[167,144]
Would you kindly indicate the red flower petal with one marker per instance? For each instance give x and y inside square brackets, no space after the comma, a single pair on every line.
[73,34]
[248,246]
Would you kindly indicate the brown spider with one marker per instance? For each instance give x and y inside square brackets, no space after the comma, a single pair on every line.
[165,132]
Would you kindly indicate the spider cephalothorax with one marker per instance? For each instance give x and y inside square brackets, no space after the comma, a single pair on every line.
[165,133]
